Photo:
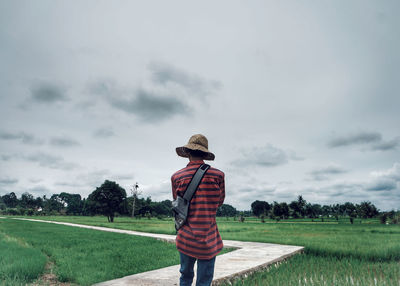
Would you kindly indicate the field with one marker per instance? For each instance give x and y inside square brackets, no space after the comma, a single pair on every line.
[336,252]
[80,256]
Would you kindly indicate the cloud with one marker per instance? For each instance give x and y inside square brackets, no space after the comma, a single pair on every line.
[93,179]
[385,180]
[266,156]
[50,161]
[382,184]
[325,172]
[63,142]
[103,133]
[372,139]
[43,159]
[23,137]
[150,107]
[386,145]
[48,93]
[40,191]
[164,74]
[355,139]
[8,181]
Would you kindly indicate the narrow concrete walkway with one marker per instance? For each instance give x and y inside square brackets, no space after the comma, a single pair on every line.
[249,257]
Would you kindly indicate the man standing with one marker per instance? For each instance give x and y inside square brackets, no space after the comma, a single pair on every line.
[199,238]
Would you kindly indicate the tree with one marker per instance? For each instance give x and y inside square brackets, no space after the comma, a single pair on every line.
[226,210]
[367,210]
[301,205]
[10,200]
[27,201]
[135,193]
[260,207]
[107,199]
[73,202]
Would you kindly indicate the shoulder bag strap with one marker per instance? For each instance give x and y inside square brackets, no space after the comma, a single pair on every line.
[194,183]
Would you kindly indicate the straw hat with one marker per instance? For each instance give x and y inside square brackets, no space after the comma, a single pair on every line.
[196,142]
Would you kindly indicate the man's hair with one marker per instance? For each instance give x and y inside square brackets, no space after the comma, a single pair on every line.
[196,153]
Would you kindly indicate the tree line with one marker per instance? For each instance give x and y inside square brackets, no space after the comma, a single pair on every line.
[110,199]
[300,208]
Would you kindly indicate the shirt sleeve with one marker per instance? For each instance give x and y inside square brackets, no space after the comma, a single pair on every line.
[173,188]
[222,190]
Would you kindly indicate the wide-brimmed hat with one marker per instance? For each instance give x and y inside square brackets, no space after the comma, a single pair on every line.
[196,142]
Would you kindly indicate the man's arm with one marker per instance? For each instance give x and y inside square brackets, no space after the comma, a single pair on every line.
[222,190]
[173,188]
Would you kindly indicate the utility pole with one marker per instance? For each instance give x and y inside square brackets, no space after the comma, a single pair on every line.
[135,193]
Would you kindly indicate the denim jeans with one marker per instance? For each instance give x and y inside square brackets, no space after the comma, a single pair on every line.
[205,270]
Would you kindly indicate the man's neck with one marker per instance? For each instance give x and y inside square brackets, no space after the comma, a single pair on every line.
[195,159]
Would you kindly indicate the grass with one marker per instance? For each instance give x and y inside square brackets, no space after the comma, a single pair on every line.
[336,252]
[81,256]
[19,262]
[305,269]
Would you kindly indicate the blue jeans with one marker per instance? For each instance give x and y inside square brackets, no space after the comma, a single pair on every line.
[205,270]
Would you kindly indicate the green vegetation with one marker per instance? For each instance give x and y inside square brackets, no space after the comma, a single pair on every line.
[336,251]
[81,256]
[304,269]
[19,262]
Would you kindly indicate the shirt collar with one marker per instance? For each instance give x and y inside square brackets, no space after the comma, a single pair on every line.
[192,163]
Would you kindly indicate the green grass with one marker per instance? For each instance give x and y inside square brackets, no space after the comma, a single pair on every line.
[19,262]
[81,256]
[336,252]
[304,269]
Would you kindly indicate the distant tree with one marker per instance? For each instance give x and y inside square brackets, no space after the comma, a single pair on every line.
[294,209]
[284,210]
[301,205]
[73,203]
[162,208]
[52,205]
[226,210]
[260,207]
[349,209]
[27,201]
[367,210]
[107,199]
[10,200]
[277,211]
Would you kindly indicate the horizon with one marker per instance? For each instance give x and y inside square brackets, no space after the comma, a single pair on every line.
[296,98]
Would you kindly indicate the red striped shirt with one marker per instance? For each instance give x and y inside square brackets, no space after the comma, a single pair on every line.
[199,237]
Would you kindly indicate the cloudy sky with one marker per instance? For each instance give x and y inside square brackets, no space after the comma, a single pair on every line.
[295,97]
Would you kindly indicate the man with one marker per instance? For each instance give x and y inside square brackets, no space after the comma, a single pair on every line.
[199,238]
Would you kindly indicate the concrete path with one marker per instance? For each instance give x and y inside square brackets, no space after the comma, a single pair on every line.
[249,257]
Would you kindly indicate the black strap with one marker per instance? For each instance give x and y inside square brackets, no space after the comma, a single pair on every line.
[194,183]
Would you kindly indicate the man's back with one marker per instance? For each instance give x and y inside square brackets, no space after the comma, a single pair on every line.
[199,237]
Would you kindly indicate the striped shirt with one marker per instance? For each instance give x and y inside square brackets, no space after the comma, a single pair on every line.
[199,237]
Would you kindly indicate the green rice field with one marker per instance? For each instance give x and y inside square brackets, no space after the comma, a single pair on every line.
[336,252]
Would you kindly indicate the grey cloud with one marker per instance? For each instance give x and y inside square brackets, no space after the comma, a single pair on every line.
[373,140]
[23,137]
[163,74]
[382,184]
[48,93]
[355,139]
[40,191]
[43,159]
[93,178]
[8,181]
[103,133]
[325,172]
[385,180]
[63,142]
[150,107]
[267,156]
[386,145]
[50,161]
